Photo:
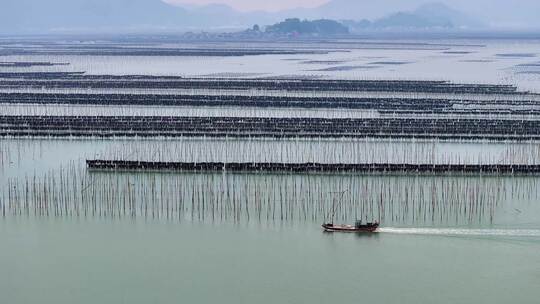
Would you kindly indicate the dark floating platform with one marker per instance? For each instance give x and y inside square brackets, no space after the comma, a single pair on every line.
[64,80]
[153,51]
[383,105]
[27,64]
[252,127]
[121,165]
[415,104]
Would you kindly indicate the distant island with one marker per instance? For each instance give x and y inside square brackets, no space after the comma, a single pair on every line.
[431,16]
[428,17]
[295,26]
[289,28]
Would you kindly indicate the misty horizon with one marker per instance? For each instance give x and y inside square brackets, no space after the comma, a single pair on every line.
[33,16]
[251,6]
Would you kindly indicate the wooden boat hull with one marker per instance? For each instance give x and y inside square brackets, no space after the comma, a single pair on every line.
[350,228]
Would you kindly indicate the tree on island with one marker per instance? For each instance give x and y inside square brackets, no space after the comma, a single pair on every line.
[305,27]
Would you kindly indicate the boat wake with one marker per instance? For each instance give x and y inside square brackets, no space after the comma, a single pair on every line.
[463,232]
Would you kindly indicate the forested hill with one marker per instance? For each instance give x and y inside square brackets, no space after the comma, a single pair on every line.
[306,27]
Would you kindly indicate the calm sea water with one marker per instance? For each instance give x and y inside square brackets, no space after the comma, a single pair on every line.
[115,257]
[55,260]
[203,238]
[463,61]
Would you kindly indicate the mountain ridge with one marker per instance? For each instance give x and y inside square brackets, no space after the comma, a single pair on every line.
[32,16]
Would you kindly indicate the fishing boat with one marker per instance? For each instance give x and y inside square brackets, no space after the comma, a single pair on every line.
[357,227]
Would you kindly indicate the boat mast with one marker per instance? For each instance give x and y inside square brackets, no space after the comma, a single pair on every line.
[341,193]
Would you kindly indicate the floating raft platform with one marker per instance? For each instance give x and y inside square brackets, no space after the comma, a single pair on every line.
[256,127]
[120,165]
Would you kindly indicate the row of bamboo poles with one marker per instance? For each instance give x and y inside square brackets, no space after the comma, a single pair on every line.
[73,192]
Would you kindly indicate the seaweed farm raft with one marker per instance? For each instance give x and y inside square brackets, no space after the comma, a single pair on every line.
[314,167]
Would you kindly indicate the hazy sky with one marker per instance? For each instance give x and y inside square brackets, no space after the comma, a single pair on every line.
[248,5]
[42,15]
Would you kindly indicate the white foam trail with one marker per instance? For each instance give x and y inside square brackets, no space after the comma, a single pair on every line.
[463,232]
